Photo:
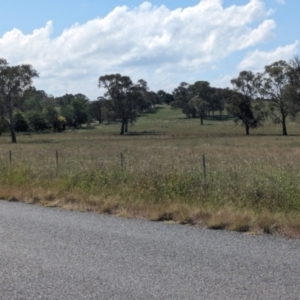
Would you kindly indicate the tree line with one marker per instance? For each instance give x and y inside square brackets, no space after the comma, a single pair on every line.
[253,98]
[273,94]
[24,108]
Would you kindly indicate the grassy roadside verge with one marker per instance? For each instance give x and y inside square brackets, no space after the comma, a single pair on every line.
[252,183]
[173,195]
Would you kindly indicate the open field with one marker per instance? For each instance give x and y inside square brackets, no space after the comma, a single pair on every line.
[252,183]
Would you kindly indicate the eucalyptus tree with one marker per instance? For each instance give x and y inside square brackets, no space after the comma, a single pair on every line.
[198,99]
[293,91]
[34,99]
[294,72]
[64,100]
[97,109]
[165,97]
[200,106]
[276,89]
[153,98]
[244,104]
[246,83]
[148,98]
[38,121]
[67,111]
[216,101]
[201,94]
[51,113]
[14,80]
[201,89]
[75,109]
[250,115]
[81,109]
[124,97]
[182,96]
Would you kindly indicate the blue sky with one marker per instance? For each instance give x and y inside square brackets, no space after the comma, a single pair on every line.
[165,42]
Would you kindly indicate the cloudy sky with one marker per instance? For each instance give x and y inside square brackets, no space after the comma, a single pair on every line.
[165,42]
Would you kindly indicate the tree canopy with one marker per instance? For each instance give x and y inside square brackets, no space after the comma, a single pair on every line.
[14,80]
[274,93]
[244,104]
[274,86]
[124,97]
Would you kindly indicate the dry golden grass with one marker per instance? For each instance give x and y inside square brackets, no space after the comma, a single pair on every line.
[252,182]
[228,218]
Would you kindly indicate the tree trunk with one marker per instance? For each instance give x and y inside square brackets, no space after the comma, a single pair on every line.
[247,129]
[284,130]
[122,127]
[126,126]
[201,119]
[11,123]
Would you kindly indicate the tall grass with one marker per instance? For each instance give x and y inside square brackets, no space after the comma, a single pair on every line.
[239,183]
[251,183]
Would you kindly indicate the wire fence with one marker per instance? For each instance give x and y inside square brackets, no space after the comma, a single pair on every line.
[224,179]
[63,161]
[206,165]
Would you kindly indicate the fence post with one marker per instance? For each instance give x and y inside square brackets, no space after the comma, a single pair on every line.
[10,157]
[204,166]
[122,162]
[56,159]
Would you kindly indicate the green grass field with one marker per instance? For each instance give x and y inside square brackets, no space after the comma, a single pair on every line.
[252,183]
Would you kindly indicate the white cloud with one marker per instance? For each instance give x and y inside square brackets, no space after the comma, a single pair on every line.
[223,81]
[280,1]
[255,36]
[145,42]
[256,60]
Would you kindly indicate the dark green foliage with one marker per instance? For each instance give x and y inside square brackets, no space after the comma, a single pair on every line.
[200,103]
[217,100]
[51,114]
[81,111]
[293,91]
[14,81]
[21,124]
[151,99]
[125,99]
[200,107]
[97,109]
[294,76]
[64,100]
[68,112]
[275,87]
[3,126]
[165,97]
[277,90]
[75,109]
[182,96]
[248,112]
[242,104]
[38,121]
[34,99]
[212,99]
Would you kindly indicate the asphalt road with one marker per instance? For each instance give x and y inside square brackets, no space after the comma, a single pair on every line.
[49,253]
